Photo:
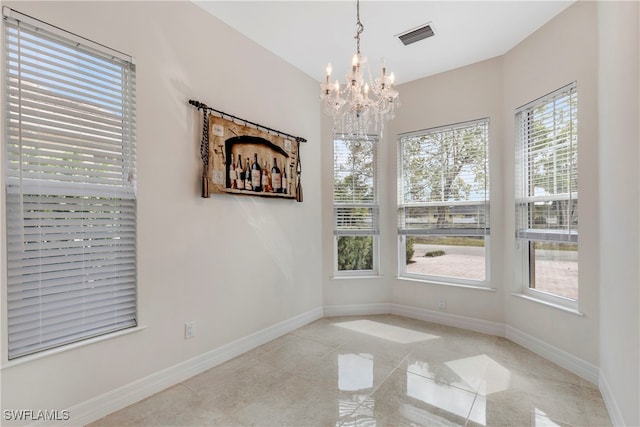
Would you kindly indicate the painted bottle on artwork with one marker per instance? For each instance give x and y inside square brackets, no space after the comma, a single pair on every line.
[291,179]
[284,177]
[232,174]
[247,176]
[239,174]
[276,178]
[266,182]
[256,174]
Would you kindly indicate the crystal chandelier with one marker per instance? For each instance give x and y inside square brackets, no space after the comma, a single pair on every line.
[358,104]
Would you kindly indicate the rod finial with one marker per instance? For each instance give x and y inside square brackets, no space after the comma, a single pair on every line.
[197,104]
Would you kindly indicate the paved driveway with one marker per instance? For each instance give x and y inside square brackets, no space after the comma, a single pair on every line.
[558,276]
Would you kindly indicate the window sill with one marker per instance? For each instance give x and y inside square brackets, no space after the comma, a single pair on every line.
[47,353]
[455,285]
[548,304]
[354,276]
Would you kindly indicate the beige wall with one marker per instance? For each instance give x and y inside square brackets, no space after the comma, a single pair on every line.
[234,265]
[619,115]
[468,93]
[562,51]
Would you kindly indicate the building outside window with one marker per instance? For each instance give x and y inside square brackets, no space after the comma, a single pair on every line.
[443,196]
[547,196]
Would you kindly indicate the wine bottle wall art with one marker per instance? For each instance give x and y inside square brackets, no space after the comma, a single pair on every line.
[248,161]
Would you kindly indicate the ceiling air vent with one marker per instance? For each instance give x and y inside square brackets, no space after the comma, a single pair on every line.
[415,35]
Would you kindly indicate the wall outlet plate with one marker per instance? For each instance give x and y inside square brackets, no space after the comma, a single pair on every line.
[189,330]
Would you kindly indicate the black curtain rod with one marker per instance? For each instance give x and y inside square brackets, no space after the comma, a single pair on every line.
[200,106]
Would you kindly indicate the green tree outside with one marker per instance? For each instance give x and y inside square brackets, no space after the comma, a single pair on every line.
[355,253]
[444,166]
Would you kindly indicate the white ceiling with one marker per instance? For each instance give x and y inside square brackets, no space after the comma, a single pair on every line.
[309,34]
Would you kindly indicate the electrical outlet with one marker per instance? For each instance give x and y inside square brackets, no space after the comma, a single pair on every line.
[443,303]
[189,330]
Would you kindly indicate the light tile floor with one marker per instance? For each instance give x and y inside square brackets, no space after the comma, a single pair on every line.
[376,371]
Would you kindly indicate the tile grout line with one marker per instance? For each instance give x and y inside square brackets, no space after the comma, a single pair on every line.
[471,409]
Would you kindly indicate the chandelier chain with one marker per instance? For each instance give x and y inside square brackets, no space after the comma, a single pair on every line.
[359,27]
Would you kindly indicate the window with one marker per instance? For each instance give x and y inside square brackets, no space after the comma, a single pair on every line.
[443,212]
[547,196]
[355,206]
[70,187]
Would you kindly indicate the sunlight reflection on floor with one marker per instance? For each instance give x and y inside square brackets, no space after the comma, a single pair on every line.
[542,420]
[355,372]
[482,372]
[387,332]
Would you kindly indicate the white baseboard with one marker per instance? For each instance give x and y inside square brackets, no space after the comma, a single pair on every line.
[560,357]
[610,402]
[356,309]
[114,400]
[449,319]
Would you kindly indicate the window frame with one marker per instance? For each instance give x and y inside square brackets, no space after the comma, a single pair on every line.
[484,232]
[374,205]
[70,188]
[525,237]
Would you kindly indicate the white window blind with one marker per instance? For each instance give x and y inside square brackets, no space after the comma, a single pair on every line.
[354,192]
[443,182]
[547,168]
[70,186]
